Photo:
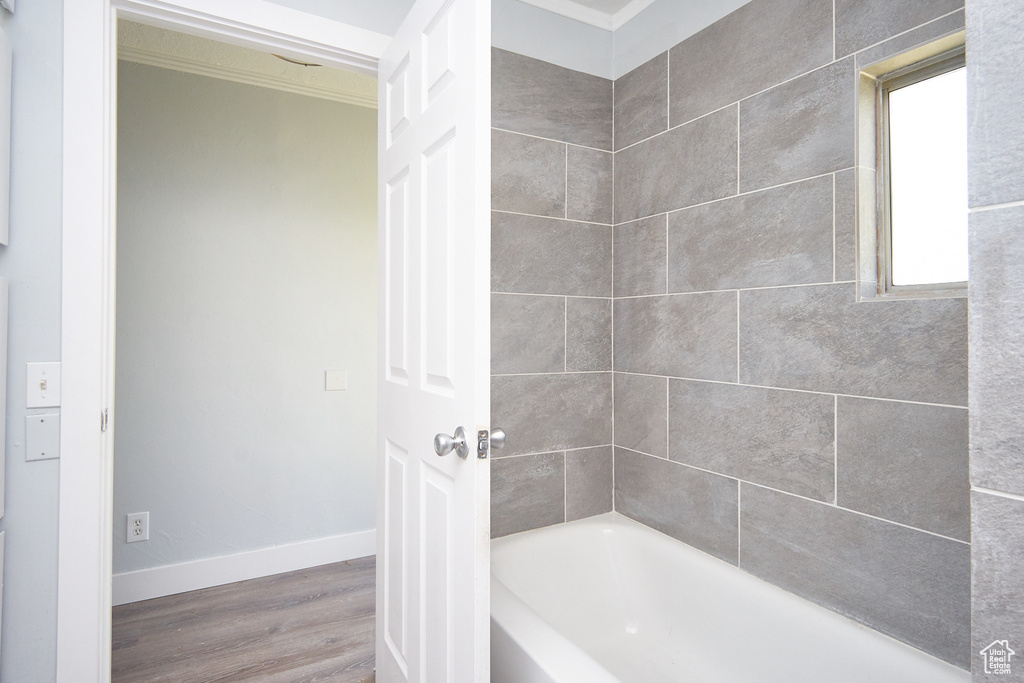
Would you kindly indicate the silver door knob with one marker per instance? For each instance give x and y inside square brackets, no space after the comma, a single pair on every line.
[444,444]
[497,438]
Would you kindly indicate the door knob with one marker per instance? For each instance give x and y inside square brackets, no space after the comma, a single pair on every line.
[444,444]
[497,438]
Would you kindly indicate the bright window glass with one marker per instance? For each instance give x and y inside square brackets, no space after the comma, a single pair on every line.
[928,180]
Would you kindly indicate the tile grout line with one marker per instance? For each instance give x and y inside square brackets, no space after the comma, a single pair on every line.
[565,334]
[552,218]
[737,336]
[802,391]
[835,450]
[551,296]
[835,202]
[611,303]
[554,451]
[541,137]
[732,289]
[739,523]
[835,19]
[997,493]
[722,199]
[554,373]
[668,418]
[996,207]
[666,253]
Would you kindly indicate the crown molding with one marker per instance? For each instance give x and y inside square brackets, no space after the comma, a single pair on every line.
[589,15]
[153,46]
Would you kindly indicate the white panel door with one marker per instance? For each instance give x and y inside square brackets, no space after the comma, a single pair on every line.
[433,518]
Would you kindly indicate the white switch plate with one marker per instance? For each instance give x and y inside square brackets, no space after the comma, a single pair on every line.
[42,437]
[43,389]
[337,380]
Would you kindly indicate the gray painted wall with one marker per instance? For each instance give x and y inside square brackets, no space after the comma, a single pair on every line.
[31,263]
[551,278]
[996,147]
[247,242]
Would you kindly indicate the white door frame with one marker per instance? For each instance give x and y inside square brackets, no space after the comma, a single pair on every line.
[87,272]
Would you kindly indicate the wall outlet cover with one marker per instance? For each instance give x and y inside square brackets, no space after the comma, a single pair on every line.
[138,527]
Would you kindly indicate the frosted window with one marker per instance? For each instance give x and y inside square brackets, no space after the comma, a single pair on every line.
[928,180]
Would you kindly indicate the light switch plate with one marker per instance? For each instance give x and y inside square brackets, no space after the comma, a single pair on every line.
[43,390]
[42,437]
[337,380]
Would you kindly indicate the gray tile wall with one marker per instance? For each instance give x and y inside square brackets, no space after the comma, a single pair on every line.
[761,413]
[996,177]
[551,307]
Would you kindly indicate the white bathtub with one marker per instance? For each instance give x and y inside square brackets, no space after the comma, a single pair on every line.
[607,600]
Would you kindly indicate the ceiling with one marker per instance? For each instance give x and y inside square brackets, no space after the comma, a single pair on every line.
[606,14]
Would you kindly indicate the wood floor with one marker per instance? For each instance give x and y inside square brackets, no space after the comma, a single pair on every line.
[302,627]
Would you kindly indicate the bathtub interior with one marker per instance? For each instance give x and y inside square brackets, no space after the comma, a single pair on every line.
[646,607]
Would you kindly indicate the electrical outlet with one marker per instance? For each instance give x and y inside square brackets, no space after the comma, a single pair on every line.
[138,526]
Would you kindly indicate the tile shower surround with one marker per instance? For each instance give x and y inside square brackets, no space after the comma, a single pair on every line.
[996,233]
[757,411]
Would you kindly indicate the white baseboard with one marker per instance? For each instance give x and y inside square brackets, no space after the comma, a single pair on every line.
[157,582]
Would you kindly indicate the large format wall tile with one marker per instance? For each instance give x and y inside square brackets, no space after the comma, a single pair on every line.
[698,508]
[687,165]
[527,334]
[588,324]
[846,225]
[527,492]
[861,23]
[781,236]
[588,482]
[589,185]
[552,412]
[679,335]
[641,413]
[997,349]
[905,462]
[528,175]
[995,139]
[799,129]
[819,338]
[537,98]
[641,102]
[909,584]
[761,44]
[548,256]
[922,35]
[998,579]
[782,439]
[640,257]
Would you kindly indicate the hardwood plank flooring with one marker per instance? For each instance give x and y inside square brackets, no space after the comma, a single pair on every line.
[306,626]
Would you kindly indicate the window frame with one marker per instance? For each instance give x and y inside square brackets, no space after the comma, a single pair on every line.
[918,71]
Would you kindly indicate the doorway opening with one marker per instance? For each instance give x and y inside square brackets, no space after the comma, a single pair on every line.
[246,336]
